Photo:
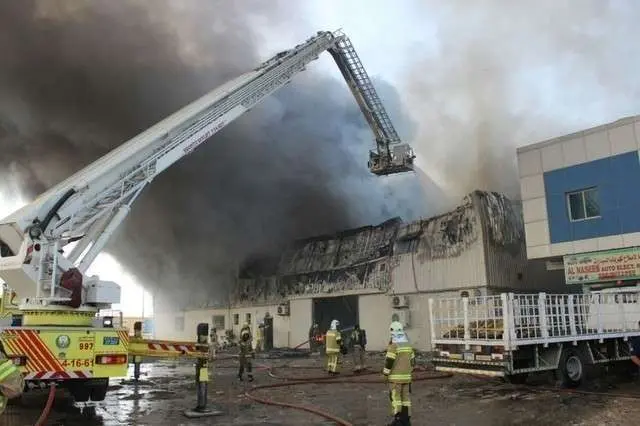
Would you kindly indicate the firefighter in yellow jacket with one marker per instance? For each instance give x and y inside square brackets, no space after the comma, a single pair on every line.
[398,369]
[333,343]
[11,381]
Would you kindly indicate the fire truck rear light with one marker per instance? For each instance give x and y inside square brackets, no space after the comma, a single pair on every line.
[111,359]
[19,361]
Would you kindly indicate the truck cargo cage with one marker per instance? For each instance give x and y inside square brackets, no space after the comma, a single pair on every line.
[511,320]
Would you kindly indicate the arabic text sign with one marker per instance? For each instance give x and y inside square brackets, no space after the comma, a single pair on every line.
[612,265]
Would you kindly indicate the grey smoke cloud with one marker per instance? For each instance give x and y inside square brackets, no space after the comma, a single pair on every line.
[78,78]
[500,74]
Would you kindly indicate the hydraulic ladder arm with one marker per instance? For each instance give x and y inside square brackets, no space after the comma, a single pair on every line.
[391,155]
[87,207]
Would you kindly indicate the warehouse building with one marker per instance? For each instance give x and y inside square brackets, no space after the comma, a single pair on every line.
[580,204]
[374,274]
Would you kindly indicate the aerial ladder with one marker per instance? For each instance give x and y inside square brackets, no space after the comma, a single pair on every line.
[55,332]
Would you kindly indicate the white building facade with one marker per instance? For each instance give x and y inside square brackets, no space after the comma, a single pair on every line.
[581,203]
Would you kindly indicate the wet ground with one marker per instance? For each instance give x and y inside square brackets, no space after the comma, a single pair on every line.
[168,389]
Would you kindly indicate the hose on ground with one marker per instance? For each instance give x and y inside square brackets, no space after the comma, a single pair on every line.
[291,381]
[47,408]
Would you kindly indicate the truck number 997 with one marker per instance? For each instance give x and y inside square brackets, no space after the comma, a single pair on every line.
[86,346]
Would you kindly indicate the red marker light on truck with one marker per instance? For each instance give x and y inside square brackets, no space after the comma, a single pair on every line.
[111,359]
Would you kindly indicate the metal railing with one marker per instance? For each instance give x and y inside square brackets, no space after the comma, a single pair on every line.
[511,320]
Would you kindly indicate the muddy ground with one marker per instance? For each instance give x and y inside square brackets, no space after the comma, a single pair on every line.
[168,389]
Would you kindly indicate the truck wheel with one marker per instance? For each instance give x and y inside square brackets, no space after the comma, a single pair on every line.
[571,370]
[98,389]
[517,379]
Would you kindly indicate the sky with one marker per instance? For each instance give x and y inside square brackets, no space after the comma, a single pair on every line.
[477,79]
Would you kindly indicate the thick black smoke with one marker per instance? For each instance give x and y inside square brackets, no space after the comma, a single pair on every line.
[77,78]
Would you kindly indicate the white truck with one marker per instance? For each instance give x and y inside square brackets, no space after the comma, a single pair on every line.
[513,335]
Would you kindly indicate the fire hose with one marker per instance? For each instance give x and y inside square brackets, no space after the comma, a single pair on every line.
[47,408]
[292,381]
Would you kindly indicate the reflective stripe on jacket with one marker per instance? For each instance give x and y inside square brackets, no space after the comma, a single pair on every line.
[332,341]
[399,362]
[7,368]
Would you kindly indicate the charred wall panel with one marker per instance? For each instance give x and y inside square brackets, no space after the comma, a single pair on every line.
[440,253]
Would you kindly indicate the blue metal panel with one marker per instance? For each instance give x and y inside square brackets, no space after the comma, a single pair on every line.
[618,181]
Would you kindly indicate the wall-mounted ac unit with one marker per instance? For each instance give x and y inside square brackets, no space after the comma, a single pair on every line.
[403,317]
[283,309]
[399,302]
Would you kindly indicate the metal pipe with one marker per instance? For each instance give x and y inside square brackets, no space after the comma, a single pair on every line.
[89,237]
[109,229]
[43,254]
[54,268]
[102,240]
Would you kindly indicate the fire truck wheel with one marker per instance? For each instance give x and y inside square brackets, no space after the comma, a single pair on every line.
[99,389]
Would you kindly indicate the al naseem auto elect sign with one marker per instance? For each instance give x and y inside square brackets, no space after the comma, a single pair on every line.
[613,265]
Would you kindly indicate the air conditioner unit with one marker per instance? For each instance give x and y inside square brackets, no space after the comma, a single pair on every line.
[283,309]
[398,302]
[403,317]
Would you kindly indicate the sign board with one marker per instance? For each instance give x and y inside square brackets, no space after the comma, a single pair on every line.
[147,326]
[611,265]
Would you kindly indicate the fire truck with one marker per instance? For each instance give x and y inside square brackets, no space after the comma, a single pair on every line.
[53,329]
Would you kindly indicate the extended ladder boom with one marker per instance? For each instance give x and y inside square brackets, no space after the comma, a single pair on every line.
[87,207]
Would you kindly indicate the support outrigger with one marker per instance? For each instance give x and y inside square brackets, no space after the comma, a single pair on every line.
[140,348]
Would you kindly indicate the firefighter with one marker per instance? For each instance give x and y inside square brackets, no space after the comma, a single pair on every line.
[11,381]
[314,333]
[333,344]
[398,369]
[214,343]
[246,353]
[260,337]
[359,342]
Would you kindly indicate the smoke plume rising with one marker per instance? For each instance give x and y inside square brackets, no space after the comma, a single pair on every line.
[78,78]
[500,74]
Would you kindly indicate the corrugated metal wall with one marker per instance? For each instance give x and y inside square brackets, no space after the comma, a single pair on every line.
[507,266]
[440,253]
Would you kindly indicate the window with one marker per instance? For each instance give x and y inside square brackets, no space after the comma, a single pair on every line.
[583,204]
[179,324]
[247,318]
[236,319]
[218,322]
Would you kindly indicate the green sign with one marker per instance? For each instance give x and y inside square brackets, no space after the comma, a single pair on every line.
[610,265]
